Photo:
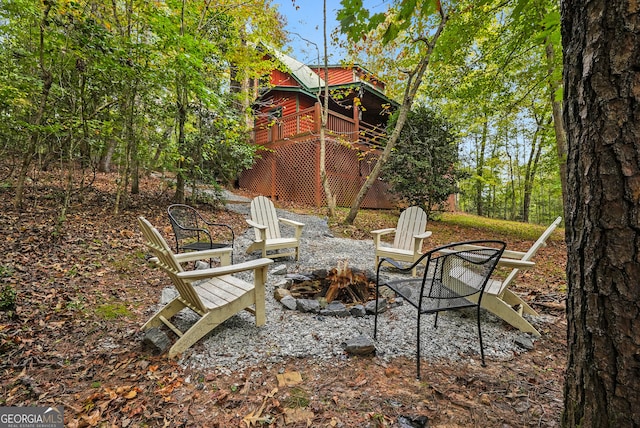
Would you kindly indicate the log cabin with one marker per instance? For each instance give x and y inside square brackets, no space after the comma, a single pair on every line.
[287,123]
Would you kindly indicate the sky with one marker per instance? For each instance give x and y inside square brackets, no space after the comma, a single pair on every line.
[304,23]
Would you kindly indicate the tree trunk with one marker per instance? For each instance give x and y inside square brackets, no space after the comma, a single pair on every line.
[179,197]
[555,88]
[413,84]
[480,168]
[37,118]
[324,178]
[601,111]
[105,160]
[531,169]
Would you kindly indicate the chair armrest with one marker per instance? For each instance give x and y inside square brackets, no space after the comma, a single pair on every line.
[193,256]
[262,229]
[515,263]
[377,235]
[383,231]
[226,226]
[193,275]
[296,224]
[395,264]
[256,225]
[419,239]
[291,222]
[504,261]
[510,254]
[423,235]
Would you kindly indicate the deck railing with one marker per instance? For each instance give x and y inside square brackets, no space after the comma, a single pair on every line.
[307,122]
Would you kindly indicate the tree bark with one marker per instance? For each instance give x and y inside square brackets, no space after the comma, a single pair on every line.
[601,113]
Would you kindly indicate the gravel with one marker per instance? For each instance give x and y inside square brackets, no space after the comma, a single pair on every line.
[238,344]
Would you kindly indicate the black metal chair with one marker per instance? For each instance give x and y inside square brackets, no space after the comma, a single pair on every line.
[453,279]
[194,233]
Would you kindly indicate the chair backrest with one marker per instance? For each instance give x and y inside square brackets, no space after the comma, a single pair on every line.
[167,261]
[186,223]
[452,273]
[412,221]
[264,212]
[541,242]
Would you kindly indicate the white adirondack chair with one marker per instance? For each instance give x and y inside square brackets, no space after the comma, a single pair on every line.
[501,301]
[266,224]
[410,232]
[214,294]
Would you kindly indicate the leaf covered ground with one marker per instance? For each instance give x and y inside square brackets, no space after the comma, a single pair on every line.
[84,288]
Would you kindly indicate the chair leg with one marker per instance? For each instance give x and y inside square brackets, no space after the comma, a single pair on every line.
[168,311]
[196,332]
[480,338]
[375,317]
[418,346]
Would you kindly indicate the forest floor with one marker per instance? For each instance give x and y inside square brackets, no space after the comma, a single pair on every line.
[84,289]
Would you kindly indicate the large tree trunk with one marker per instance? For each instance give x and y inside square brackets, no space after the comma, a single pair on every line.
[602,117]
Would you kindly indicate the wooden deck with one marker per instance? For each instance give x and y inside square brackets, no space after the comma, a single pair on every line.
[307,123]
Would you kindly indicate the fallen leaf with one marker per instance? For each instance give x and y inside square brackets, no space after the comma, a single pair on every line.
[292,416]
[289,379]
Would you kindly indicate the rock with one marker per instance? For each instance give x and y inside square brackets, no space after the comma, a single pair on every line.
[413,422]
[297,277]
[156,340]
[398,301]
[386,292]
[319,273]
[335,309]
[285,283]
[200,265]
[308,305]
[409,291]
[279,293]
[360,345]
[289,302]
[279,270]
[370,306]
[168,294]
[358,311]
[524,342]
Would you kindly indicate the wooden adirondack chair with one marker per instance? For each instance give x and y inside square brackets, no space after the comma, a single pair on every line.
[214,294]
[410,232]
[501,301]
[265,222]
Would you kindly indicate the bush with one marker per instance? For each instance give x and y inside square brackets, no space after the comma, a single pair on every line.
[422,169]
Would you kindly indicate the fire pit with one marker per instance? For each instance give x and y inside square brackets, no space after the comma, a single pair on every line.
[340,283]
[340,291]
